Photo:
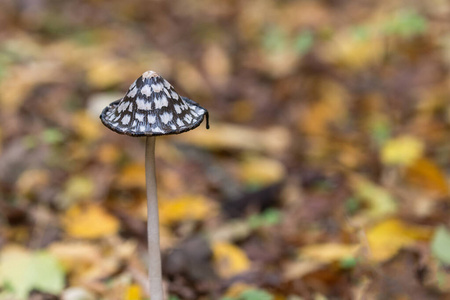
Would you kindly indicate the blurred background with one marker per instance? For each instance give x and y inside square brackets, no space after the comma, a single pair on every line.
[325,174]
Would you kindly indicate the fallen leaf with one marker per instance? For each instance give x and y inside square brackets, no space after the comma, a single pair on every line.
[296,270]
[261,171]
[329,252]
[389,236]
[23,271]
[236,289]
[78,188]
[132,176]
[403,151]
[356,47]
[187,207]
[330,109]
[88,261]
[440,245]
[89,221]
[379,201]
[426,174]
[274,140]
[229,259]
[133,292]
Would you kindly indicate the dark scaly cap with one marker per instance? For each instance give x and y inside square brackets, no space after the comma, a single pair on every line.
[152,107]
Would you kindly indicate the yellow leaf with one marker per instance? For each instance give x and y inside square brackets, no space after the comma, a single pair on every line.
[379,201]
[188,207]
[89,222]
[389,236]
[261,170]
[229,259]
[426,174]
[132,176]
[133,292]
[330,252]
[86,126]
[403,151]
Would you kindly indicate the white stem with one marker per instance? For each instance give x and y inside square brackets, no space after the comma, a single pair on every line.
[154,268]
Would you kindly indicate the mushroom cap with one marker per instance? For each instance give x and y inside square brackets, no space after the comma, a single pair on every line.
[152,107]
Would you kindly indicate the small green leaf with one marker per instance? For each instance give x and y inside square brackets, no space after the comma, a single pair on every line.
[440,245]
[254,294]
[272,216]
[348,262]
[304,42]
[52,136]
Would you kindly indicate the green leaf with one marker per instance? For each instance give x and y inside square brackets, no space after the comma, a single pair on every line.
[304,42]
[255,294]
[47,273]
[348,263]
[52,136]
[406,23]
[440,245]
[22,271]
[271,216]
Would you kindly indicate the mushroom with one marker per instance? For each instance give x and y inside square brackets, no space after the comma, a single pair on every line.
[150,108]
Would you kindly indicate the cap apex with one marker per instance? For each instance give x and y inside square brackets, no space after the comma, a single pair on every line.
[149,74]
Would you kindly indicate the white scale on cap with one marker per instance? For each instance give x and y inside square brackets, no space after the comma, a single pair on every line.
[153,107]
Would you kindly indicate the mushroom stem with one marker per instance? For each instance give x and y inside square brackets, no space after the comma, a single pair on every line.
[154,268]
